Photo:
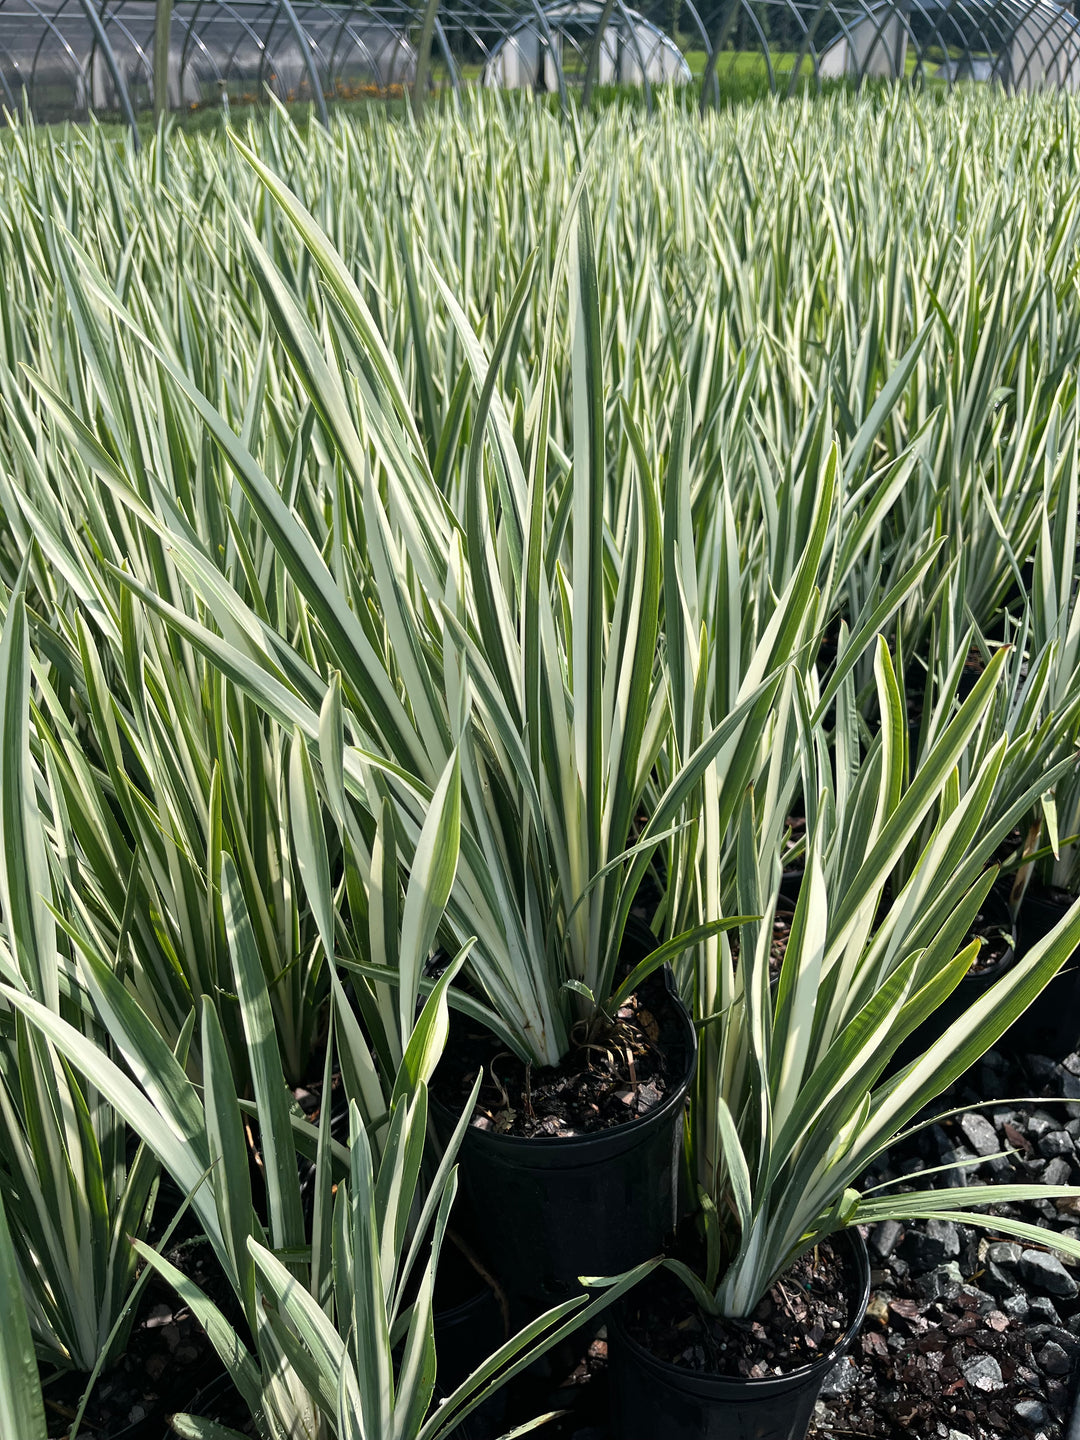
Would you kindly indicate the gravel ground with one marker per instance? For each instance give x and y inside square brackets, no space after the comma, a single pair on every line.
[969,1335]
[972,1336]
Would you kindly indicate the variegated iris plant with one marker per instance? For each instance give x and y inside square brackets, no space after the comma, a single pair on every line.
[370,497]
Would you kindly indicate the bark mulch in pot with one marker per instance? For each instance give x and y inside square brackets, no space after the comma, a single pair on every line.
[604,1081]
[802,1315]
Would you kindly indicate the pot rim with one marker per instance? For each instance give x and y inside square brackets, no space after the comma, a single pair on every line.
[704,1383]
[675,1097]
[992,972]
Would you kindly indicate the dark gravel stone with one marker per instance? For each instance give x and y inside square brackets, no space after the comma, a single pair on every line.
[883,1238]
[1039,1124]
[1053,1359]
[999,1282]
[843,1376]
[1043,1068]
[968,1259]
[967,1172]
[1040,1334]
[1016,1306]
[982,1372]
[1047,1273]
[1043,1311]
[1071,1063]
[1057,1172]
[981,1302]
[930,1245]
[1030,1412]
[942,1283]
[981,1135]
[1058,1142]
[1005,1253]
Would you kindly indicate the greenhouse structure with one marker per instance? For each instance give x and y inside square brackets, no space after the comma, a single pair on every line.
[66,58]
[632,49]
[1024,46]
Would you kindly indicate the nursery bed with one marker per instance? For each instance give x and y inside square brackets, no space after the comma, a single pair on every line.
[969,1336]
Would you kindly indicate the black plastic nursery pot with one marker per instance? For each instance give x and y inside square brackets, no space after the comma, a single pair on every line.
[655,1400]
[548,1209]
[1051,1023]
[465,1336]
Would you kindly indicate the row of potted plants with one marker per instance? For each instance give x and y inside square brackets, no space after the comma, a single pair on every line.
[791,1101]
[525,689]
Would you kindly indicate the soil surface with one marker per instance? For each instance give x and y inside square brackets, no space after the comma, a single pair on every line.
[781,932]
[603,1082]
[803,1316]
[993,927]
[169,1366]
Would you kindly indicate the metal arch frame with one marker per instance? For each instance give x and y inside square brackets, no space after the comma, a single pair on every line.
[513,26]
[887,15]
[1066,52]
[554,51]
[633,21]
[464,21]
[49,25]
[725,26]
[12,106]
[808,49]
[975,28]
[192,37]
[878,15]
[633,28]
[307,51]
[847,34]
[932,18]
[114,17]
[344,20]
[269,65]
[113,68]
[662,42]
[451,63]
[379,16]
[1028,44]
[624,15]
[630,25]
[260,44]
[967,29]
[703,35]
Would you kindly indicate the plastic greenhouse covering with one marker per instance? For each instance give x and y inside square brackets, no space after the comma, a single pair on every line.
[63,59]
[630,49]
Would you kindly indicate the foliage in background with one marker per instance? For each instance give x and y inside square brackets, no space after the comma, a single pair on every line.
[337,532]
